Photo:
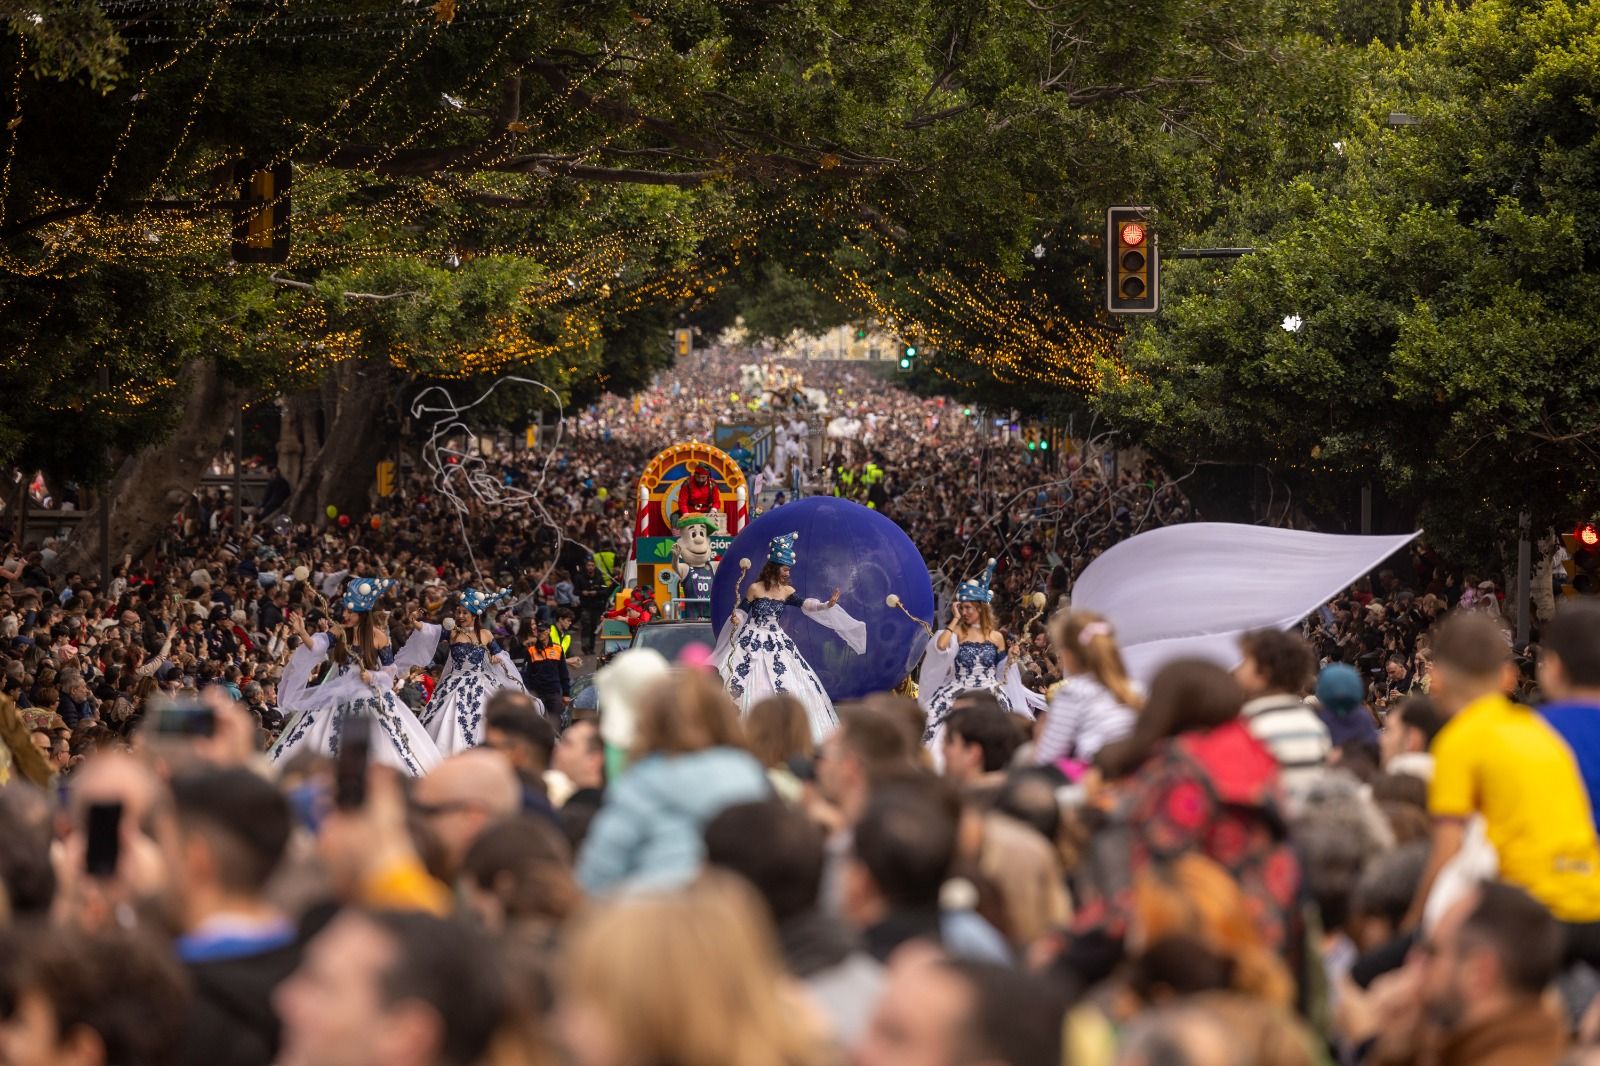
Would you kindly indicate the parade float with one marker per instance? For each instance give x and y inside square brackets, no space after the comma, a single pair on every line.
[692,500]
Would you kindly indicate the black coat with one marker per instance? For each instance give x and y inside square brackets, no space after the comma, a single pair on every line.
[231,1018]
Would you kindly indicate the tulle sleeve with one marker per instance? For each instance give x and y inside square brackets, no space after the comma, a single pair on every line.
[1023,700]
[937,665]
[851,630]
[505,671]
[294,688]
[419,648]
[719,654]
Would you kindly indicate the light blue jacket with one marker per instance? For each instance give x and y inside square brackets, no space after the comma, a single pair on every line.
[648,831]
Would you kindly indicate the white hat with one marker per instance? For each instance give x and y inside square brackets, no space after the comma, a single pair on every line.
[302,572]
[620,685]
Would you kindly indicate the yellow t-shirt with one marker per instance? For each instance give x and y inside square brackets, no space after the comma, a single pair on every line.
[1502,761]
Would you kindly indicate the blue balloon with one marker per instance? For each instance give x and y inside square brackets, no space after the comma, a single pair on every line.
[852,548]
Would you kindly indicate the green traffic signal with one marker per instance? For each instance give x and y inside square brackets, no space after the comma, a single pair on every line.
[905,364]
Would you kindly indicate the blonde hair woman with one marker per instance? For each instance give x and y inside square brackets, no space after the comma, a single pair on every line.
[687,977]
[967,656]
[1095,702]
[689,762]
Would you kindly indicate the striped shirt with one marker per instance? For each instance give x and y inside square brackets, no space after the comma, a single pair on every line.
[1289,728]
[1084,717]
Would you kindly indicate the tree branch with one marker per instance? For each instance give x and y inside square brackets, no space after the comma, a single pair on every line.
[279,279]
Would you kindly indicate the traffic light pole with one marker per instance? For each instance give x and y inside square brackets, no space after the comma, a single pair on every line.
[1210,253]
[1524,574]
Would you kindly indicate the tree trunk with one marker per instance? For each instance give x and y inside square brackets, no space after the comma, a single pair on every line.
[359,433]
[153,484]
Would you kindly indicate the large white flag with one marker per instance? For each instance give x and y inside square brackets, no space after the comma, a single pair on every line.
[1189,591]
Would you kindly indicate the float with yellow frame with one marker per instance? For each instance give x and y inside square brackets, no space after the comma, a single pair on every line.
[663,488]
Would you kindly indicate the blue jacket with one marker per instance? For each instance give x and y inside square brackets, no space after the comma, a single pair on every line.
[648,832]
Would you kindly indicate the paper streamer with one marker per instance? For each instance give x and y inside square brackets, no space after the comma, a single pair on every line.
[462,474]
[1190,591]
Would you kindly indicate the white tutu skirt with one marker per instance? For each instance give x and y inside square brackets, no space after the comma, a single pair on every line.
[398,739]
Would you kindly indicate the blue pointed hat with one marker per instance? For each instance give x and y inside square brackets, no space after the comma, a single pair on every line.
[363,593]
[476,601]
[976,590]
[781,550]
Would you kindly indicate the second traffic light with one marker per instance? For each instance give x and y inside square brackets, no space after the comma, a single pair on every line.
[1583,560]
[1133,262]
[908,355]
[683,341]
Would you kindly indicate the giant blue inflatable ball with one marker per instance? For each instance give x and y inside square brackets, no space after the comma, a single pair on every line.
[865,556]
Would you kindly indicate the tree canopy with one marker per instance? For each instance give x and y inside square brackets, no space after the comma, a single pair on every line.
[1419,313]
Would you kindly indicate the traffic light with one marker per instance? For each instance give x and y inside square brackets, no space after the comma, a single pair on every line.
[861,333]
[386,471]
[261,213]
[1583,560]
[682,340]
[1133,262]
[908,355]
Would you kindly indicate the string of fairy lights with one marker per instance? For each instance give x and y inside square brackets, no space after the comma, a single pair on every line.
[587,277]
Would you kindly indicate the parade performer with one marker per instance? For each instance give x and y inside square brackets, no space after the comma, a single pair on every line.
[474,671]
[359,682]
[695,564]
[758,659]
[637,609]
[699,494]
[966,657]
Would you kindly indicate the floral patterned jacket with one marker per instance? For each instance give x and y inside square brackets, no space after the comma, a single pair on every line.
[1215,793]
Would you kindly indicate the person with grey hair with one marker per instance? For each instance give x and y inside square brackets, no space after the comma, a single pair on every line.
[77,703]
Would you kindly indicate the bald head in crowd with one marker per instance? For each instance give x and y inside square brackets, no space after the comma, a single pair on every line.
[464,794]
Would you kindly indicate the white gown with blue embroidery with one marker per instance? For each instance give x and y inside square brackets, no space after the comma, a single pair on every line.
[454,716]
[758,659]
[972,665]
[398,739]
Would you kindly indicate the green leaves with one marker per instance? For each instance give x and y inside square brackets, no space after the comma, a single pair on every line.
[1441,271]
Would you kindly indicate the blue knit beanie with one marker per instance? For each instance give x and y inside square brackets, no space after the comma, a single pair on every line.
[1339,688]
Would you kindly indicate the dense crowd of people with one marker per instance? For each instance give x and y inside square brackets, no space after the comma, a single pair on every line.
[1361,846]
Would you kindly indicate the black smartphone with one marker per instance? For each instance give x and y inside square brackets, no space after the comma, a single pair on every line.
[355,753]
[183,718]
[104,845]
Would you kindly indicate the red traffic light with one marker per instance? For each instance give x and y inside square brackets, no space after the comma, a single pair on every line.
[1133,234]
[1588,535]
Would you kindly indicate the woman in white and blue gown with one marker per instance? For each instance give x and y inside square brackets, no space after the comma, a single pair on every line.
[757,658]
[474,671]
[358,685]
[970,655]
